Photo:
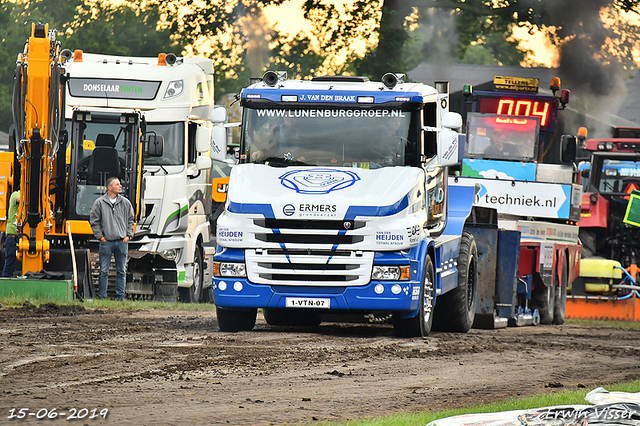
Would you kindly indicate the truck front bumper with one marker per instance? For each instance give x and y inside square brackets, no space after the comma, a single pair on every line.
[375,296]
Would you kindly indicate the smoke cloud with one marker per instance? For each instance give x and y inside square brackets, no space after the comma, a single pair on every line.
[595,77]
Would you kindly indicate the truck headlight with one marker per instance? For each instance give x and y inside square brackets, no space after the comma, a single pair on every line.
[171,254]
[229,269]
[174,88]
[390,273]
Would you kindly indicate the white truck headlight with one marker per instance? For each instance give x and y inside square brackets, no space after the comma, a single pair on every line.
[390,273]
[171,254]
[174,88]
[229,269]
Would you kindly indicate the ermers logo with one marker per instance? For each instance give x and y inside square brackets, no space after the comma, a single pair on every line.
[331,208]
[318,180]
[288,209]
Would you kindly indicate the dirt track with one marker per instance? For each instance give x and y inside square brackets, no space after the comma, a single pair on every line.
[174,367]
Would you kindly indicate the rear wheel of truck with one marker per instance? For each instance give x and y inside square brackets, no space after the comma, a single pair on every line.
[456,309]
[232,320]
[192,294]
[589,242]
[544,301]
[420,325]
[284,317]
[560,300]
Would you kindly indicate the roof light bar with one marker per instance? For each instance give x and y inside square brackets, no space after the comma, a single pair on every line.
[366,99]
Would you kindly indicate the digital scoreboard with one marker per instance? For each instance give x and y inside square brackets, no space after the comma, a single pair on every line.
[523,105]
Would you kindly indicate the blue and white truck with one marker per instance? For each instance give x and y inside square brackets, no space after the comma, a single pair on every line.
[339,206]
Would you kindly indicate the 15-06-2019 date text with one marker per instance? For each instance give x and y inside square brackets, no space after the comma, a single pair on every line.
[53,413]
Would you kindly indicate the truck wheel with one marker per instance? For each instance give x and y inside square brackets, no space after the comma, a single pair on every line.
[544,301]
[588,239]
[283,317]
[207,295]
[456,310]
[420,325]
[561,296]
[193,293]
[232,321]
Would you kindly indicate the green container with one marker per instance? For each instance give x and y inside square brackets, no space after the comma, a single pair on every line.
[46,289]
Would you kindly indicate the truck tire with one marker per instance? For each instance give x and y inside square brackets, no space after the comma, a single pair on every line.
[193,294]
[589,244]
[233,321]
[456,309]
[420,325]
[561,296]
[284,317]
[207,295]
[544,301]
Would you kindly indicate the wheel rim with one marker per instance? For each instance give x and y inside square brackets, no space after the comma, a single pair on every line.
[196,276]
[427,300]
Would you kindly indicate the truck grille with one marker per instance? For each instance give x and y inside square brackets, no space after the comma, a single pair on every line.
[327,232]
[309,238]
[337,225]
[303,267]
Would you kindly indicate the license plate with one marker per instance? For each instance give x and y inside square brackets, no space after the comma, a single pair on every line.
[303,302]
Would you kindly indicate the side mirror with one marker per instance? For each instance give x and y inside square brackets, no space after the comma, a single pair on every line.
[448,148]
[202,139]
[218,147]
[155,145]
[218,115]
[568,146]
[584,171]
[448,139]
[203,162]
[451,120]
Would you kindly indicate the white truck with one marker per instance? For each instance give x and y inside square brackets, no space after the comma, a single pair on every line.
[175,98]
[339,206]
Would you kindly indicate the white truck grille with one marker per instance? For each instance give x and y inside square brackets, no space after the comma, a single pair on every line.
[302,267]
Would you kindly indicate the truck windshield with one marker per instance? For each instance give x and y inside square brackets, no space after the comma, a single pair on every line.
[174,137]
[370,138]
[618,176]
[501,137]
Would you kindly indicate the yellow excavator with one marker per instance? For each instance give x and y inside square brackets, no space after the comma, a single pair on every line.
[53,222]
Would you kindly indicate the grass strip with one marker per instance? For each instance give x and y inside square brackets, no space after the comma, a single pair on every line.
[562,397]
[111,304]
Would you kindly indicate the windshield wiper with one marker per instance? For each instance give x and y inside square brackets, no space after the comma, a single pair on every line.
[282,162]
[155,163]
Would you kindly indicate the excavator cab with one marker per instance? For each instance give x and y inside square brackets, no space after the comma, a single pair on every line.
[102,145]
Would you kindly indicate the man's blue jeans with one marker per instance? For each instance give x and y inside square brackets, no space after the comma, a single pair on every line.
[10,248]
[119,250]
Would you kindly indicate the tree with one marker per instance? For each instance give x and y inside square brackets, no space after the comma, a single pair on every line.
[127,29]
[237,37]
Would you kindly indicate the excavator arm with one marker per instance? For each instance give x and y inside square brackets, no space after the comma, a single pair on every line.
[38,105]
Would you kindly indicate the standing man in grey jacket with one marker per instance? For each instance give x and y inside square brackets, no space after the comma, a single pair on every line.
[112,223]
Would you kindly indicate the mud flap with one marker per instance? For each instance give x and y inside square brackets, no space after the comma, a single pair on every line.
[207,280]
[498,257]
[507,272]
